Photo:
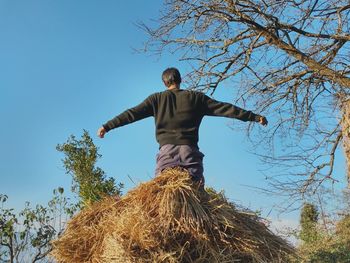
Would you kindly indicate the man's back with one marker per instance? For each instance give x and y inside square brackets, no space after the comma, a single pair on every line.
[178,114]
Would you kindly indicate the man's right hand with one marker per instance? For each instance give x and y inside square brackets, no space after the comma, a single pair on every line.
[263,121]
[101,132]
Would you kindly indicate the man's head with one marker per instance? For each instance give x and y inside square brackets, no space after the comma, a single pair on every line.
[171,77]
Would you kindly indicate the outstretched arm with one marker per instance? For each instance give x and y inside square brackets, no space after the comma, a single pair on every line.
[217,108]
[141,111]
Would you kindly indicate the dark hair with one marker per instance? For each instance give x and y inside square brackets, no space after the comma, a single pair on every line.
[171,76]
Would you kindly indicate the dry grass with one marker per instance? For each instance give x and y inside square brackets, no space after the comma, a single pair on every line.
[168,220]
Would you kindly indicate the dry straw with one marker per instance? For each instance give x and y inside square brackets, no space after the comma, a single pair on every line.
[168,219]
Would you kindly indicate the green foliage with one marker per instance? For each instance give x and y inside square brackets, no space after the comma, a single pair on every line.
[343,229]
[89,181]
[308,221]
[321,246]
[329,249]
[346,200]
[26,236]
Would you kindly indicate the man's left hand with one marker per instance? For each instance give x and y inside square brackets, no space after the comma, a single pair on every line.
[263,121]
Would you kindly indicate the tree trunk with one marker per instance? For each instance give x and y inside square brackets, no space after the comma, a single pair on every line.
[346,135]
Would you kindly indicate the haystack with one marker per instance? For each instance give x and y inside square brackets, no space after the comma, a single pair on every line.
[168,219]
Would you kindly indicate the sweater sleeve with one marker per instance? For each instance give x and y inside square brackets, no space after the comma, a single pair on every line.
[139,112]
[217,108]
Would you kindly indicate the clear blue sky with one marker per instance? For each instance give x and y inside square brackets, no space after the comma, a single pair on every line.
[69,65]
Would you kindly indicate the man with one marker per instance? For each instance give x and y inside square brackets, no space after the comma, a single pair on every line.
[178,114]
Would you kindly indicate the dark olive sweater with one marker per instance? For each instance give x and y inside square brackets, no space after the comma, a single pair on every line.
[178,114]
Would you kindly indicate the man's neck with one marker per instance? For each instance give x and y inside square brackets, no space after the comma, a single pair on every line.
[174,87]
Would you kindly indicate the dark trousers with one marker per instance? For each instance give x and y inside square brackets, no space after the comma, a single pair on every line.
[185,156]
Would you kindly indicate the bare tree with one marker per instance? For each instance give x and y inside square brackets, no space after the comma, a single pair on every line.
[288,59]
